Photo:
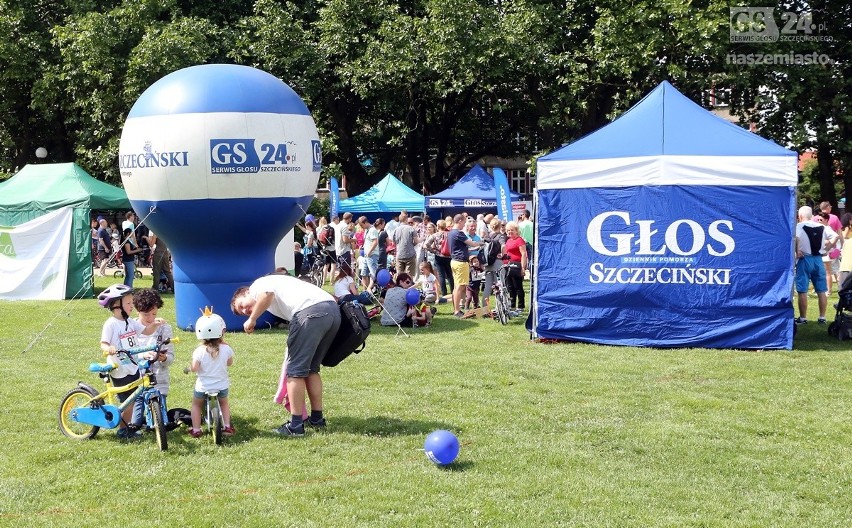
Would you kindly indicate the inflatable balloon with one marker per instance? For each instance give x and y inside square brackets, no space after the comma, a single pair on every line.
[442,447]
[412,296]
[220,161]
[383,277]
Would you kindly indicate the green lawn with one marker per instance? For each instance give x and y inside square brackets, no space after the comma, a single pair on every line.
[552,435]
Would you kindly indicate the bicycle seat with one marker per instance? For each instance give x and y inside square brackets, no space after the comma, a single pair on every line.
[101,367]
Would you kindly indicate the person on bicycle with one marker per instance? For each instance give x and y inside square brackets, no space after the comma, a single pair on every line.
[210,361]
[120,332]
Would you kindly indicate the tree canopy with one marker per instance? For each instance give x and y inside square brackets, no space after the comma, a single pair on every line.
[421,88]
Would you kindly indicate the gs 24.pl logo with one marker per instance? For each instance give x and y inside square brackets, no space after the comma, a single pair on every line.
[228,156]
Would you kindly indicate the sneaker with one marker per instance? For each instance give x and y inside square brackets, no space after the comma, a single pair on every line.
[801,320]
[822,321]
[433,310]
[195,433]
[286,430]
[319,424]
[129,433]
[229,430]
[459,315]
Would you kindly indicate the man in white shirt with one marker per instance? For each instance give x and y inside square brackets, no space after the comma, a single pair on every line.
[314,320]
[343,238]
[813,240]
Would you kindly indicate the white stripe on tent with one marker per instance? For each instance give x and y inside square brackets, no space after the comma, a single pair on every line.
[668,170]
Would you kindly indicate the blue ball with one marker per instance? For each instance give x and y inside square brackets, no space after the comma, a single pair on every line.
[412,296]
[441,447]
[383,277]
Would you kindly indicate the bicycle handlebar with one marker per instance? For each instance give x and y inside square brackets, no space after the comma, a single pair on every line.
[148,348]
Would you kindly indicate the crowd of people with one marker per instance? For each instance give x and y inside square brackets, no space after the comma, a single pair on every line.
[128,246]
[442,258]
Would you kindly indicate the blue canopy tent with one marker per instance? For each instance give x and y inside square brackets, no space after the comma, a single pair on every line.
[668,227]
[387,196]
[475,190]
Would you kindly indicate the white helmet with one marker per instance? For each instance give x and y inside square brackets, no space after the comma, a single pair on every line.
[209,325]
[116,291]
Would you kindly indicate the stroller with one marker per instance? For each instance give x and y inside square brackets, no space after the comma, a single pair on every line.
[841,327]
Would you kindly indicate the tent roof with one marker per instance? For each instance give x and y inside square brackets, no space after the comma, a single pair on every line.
[50,186]
[665,122]
[388,195]
[475,185]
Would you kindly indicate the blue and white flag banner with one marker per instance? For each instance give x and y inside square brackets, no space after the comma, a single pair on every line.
[666,266]
[504,195]
[334,196]
[34,257]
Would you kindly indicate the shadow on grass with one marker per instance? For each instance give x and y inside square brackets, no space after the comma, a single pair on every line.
[383,426]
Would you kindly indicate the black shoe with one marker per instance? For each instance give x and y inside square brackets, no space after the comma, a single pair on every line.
[319,424]
[287,430]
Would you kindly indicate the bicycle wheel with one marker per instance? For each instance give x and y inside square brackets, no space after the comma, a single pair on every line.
[216,422]
[138,274]
[155,408]
[118,274]
[77,397]
[502,309]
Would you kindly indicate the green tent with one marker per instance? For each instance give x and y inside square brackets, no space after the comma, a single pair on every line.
[38,189]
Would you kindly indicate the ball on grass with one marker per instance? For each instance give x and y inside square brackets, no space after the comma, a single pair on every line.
[442,447]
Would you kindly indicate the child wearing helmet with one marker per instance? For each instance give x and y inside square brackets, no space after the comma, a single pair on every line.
[210,361]
[120,332]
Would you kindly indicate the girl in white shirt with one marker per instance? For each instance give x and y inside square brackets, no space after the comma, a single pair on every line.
[426,282]
[210,361]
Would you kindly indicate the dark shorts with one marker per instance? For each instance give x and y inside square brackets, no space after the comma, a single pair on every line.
[311,332]
[121,382]
[330,257]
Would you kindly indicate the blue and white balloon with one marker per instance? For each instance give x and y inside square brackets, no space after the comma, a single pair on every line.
[227,157]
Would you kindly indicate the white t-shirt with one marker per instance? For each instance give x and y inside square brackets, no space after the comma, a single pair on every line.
[804,243]
[161,368]
[428,282]
[123,337]
[341,247]
[341,287]
[372,235]
[212,372]
[290,294]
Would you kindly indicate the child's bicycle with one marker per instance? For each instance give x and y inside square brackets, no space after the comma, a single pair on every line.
[211,413]
[84,411]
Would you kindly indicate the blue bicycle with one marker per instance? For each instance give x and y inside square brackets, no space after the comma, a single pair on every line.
[84,411]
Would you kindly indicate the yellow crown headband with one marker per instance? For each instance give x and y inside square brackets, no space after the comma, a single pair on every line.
[207,311]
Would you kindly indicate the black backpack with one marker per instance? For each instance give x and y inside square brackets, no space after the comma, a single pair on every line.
[490,251]
[351,336]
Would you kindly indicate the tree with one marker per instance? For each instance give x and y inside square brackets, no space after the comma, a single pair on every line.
[799,98]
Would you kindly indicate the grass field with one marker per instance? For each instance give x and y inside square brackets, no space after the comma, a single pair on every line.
[552,435]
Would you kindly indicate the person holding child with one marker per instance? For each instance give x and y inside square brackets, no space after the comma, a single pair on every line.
[398,311]
[210,361]
[120,332]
